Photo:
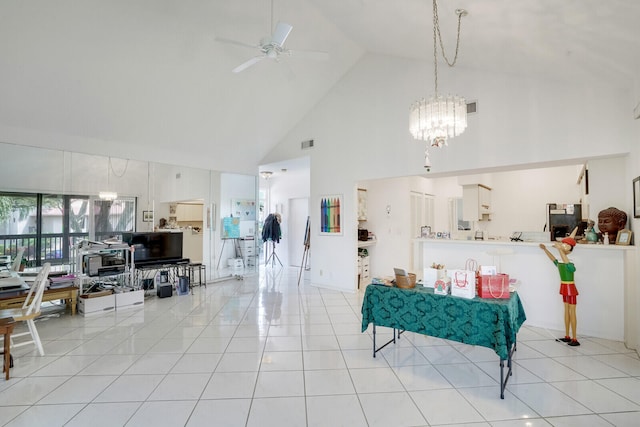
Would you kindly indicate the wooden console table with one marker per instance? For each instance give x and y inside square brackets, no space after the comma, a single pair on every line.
[484,322]
[15,299]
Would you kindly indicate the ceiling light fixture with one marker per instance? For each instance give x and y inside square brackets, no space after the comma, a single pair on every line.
[266,174]
[440,117]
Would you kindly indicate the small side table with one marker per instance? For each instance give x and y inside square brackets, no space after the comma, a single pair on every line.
[6,328]
[201,270]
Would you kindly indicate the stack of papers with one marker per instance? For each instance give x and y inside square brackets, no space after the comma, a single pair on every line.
[62,281]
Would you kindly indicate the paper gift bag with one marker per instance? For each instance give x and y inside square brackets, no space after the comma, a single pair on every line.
[442,286]
[464,282]
[430,275]
[494,286]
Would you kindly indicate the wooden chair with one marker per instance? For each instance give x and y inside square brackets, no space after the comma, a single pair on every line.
[30,310]
[15,266]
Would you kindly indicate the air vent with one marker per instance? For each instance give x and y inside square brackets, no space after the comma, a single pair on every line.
[472,107]
[305,145]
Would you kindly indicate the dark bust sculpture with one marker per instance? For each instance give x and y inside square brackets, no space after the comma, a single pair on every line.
[611,220]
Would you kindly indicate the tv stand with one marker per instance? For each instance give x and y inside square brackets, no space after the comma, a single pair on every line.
[149,270]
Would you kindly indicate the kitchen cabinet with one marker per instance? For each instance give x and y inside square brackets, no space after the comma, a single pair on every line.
[476,202]
[363,271]
[188,212]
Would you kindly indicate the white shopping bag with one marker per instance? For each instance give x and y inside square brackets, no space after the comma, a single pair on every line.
[463,282]
[430,275]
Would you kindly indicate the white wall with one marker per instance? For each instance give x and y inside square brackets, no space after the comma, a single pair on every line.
[609,186]
[361,133]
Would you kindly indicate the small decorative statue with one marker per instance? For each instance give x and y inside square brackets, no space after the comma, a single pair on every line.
[590,235]
[568,288]
[610,221]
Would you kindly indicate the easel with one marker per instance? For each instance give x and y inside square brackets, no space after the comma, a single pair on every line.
[236,247]
[272,256]
[305,254]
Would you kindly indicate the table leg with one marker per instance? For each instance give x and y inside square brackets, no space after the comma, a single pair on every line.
[392,340]
[8,329]
[503,379]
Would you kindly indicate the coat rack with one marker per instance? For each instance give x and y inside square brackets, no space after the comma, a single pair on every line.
[271,233]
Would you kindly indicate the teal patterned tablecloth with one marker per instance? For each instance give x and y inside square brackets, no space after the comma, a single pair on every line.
[491,323]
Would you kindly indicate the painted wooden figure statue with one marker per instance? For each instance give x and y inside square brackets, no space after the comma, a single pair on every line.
[568,288]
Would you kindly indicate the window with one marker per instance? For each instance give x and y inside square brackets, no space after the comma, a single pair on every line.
[49,225]
[18,224]
[113,217]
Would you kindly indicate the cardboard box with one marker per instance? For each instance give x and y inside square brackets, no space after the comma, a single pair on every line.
[96,305]
[132,299]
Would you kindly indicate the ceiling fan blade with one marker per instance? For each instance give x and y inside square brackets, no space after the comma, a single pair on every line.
[309,54]
[248,63]
[281,33]
[237,43]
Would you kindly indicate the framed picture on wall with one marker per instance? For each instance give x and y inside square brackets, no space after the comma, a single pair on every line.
[147,216]
[636,197]
[331,222]
[245,209]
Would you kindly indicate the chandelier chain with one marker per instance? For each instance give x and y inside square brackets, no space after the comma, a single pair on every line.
[438,37]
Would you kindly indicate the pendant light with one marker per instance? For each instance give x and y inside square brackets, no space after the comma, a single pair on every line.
[439,118]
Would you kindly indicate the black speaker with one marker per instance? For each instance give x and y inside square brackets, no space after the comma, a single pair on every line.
[164,291]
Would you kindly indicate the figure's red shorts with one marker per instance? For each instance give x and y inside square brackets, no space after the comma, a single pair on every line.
[569,292]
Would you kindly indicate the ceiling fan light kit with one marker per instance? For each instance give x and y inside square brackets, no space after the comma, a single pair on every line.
[439,117]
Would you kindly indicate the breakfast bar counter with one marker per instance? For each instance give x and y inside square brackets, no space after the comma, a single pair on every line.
[602,276]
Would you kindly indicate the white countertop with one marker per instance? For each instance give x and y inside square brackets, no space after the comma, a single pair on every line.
[510,243]
[362,244]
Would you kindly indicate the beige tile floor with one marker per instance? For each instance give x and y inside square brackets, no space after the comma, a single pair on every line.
[263,352]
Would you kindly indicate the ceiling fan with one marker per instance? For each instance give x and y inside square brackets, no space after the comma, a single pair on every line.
[272,47]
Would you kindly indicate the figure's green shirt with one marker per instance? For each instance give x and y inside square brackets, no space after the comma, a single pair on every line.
[566,271]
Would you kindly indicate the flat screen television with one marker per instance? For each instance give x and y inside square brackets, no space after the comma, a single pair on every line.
[155,248]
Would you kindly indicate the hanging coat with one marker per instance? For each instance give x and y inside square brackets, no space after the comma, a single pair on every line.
[271,229]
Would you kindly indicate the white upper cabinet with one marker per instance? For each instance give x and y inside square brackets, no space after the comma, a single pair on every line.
[477,202]
[188,212]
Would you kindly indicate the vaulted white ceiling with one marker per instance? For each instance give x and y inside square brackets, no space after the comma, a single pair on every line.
[147,79]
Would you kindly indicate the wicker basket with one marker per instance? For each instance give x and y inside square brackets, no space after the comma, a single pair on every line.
[406,281]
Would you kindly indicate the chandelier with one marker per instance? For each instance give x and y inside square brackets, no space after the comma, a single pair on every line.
[439,118]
